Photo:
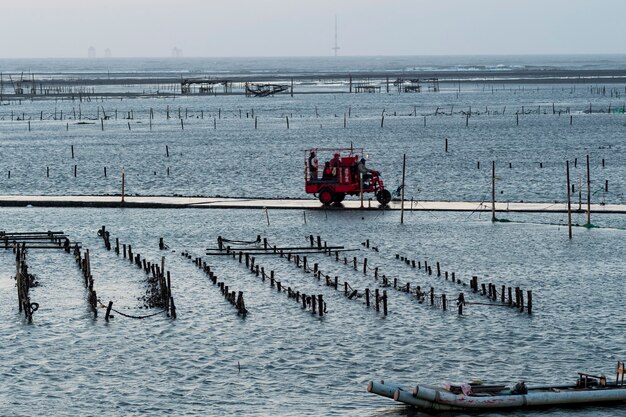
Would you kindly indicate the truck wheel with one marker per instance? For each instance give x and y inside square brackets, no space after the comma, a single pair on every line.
[383,196]
[338,197]
[326,196]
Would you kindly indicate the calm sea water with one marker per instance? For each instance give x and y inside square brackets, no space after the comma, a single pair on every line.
[529,130]
[282,360]
[309,65]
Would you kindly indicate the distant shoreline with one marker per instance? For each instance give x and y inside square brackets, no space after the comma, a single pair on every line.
[150,84]
[488,76]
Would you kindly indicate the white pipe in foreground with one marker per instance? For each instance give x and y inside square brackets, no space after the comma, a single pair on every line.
[386,389]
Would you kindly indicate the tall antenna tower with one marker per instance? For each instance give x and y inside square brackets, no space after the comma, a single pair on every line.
[336,47]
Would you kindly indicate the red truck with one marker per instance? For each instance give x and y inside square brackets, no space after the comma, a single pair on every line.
[333,173]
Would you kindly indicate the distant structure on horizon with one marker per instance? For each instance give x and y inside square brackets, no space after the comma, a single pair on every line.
[91,52]
[336,47]
[107,53]
[177,52]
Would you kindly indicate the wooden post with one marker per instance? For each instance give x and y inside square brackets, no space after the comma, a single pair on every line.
[569,205]
[376,294]
[321,305]
[108,313]
[402,191]
[493,191]
[123,184]
[172,308]
[589,193]
[361,189]
[529,302]
[384,302]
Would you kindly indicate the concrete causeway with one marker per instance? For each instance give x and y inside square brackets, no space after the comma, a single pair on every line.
[105,201]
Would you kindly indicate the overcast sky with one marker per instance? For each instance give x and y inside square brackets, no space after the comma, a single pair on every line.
[217,28]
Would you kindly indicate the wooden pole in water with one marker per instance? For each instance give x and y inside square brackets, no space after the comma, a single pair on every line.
[108,313]
[569,205]
[588,193]
[402,191]
[123,184]
[384,302]
[361,188]
[493,191]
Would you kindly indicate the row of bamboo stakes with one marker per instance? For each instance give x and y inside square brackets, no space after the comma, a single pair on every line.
[488,290]
[315,302]
[84,263]
[21,242]
[438,300]
[379,299]
[159,280]
[24,282]
[442,300]
[233,297]
[256,122]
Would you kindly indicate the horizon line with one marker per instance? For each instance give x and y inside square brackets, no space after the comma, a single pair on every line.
[543,54]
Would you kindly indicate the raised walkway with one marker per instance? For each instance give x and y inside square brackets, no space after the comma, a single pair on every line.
[302,204]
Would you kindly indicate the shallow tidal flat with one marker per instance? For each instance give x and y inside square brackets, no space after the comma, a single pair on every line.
[282,358]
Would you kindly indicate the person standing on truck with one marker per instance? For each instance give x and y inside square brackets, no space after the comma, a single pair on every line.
[327,174]
[312,166]
[335,163]
[364,171]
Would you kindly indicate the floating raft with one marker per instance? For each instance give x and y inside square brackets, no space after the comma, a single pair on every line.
[588,390]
